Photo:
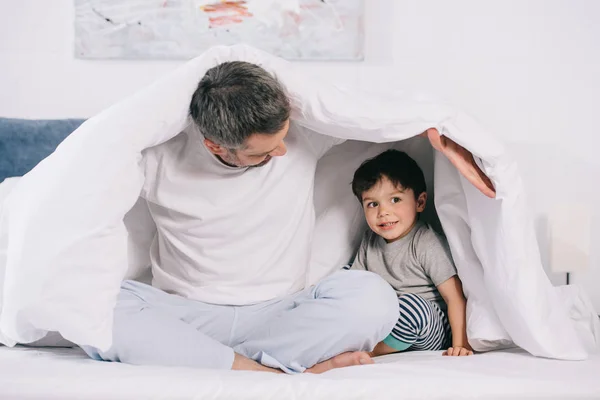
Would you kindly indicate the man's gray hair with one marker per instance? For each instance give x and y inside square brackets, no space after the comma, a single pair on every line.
[237,99]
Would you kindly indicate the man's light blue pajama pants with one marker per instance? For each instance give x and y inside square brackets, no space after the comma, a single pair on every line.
[347,311]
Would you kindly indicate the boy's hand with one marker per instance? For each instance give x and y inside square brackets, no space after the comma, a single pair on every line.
[458,351]
[463,160]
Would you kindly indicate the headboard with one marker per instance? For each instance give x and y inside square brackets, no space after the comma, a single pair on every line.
[24,143]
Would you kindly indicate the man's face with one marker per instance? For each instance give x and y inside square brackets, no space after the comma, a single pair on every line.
[391,211]
[258,150]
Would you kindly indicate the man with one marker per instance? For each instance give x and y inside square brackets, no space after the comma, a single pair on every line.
[235,221]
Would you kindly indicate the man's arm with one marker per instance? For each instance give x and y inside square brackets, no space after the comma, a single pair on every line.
[463,160]
[451,291]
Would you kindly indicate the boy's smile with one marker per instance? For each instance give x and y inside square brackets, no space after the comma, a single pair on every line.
[391,211]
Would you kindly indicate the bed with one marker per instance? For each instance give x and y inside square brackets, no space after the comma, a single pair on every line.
[66,373]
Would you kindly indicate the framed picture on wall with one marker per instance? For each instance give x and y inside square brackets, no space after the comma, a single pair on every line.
[182,29]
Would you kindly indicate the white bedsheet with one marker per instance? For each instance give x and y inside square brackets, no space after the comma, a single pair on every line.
[27,373]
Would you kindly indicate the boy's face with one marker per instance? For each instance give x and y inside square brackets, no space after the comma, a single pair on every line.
[391,211]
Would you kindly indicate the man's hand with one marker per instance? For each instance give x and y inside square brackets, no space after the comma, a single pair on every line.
[458,352]
[463,160]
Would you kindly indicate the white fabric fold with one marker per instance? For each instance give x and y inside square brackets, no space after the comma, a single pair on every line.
[67,245]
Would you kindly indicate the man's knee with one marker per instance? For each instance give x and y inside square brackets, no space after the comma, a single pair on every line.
[380,300]
[370,302]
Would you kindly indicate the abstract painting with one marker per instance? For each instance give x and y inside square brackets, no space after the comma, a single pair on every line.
[183,29]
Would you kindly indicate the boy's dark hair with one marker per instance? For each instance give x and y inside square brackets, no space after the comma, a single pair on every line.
[395,165]
[237,99]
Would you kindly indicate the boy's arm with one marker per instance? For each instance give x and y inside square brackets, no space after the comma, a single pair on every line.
[436,260]
[451,291]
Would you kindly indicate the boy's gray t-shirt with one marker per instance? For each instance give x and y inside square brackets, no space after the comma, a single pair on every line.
[416,263]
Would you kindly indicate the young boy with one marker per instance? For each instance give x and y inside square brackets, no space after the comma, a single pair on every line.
[408,254]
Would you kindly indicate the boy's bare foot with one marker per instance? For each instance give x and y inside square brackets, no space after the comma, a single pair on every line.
[342,360]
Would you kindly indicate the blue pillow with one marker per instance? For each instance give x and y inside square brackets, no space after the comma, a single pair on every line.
[24,143]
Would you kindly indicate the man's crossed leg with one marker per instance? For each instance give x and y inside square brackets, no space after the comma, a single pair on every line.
[329,325]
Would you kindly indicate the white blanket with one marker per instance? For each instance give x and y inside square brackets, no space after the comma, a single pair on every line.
[67,245]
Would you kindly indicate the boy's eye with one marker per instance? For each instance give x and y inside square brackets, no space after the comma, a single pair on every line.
[395,199]
[372,204]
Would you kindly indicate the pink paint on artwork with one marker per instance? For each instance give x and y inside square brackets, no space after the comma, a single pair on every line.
[226,13]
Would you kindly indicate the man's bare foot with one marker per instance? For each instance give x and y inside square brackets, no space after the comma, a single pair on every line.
[342,360]
[241,363]
[463,160]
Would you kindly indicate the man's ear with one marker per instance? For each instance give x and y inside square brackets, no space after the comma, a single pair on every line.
[421,201]
[215,148]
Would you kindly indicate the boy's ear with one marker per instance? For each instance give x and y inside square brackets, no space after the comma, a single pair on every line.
[421,201]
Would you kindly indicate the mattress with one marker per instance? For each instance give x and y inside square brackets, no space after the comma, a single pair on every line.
[28,373]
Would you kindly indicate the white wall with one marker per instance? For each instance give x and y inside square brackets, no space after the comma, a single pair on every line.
[528,69]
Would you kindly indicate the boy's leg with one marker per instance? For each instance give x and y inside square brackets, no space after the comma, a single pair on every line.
[421,326]
[347,311]
[152,327]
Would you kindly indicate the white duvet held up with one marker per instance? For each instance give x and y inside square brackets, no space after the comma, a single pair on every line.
[67,245]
